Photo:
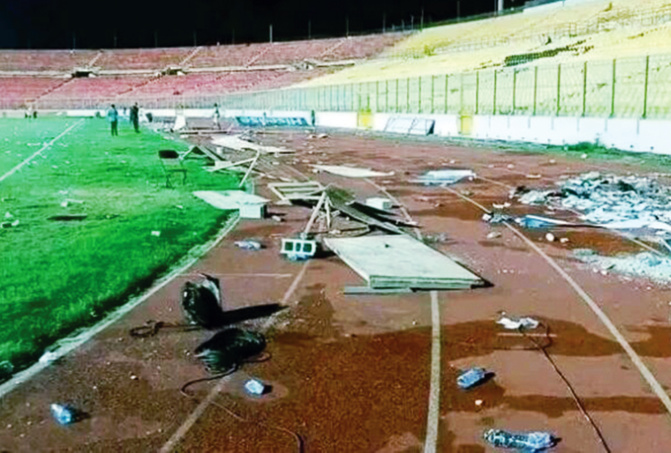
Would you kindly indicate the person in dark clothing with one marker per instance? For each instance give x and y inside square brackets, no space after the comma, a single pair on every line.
[135,117]
[113,118]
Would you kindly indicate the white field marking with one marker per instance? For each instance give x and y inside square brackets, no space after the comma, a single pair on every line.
[645,372]
[71,344]
[433,414]
[193,417]
[431,440]
[38,152]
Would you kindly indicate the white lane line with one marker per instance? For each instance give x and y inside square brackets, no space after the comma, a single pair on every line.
[635,358]
[433,414]
[70,344]
[431,440]
[38,152]
[198,412]
[645,372]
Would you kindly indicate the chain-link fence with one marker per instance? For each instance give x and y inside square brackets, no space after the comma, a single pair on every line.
[621,88]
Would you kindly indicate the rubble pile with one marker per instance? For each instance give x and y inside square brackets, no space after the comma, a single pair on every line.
[613,201]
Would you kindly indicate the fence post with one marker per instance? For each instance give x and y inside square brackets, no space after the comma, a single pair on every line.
[584,89]
[377,96]
[386,96]
[396,105]
[419,94]
[433,79]
[645,87]
[535,89]
[477,92]
[514,90]
[612,94]
[558,89]
[407,95]
[494,91]
[447,92]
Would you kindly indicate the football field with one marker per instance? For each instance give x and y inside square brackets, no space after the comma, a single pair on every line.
[117,226]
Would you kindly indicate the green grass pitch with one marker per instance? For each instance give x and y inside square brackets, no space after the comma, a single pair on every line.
[56,276]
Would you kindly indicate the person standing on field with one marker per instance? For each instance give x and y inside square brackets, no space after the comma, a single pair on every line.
[135,117]
[216,116]
[113,118]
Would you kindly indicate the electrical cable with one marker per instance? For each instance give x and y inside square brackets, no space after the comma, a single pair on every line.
[543,348]
[264,357]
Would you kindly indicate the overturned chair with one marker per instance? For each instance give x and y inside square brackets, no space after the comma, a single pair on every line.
[172,164]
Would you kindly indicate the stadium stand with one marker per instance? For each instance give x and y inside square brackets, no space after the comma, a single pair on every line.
[94,88]
[17,92]
[44,60]
[152,59]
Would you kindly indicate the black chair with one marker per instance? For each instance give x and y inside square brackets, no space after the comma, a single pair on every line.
[171,164]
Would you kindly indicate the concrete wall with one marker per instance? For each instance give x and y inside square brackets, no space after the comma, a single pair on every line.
[625,134]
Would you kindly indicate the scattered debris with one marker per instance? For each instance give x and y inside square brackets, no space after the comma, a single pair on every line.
[610,201]
[12,224]
[351,172]
[379,203]
[534,176]
[399,261]
[289,191]
[249,245]
[501,206]
[366,290]
[250,206]
[495,218]
[494,235]
[531,441]
[478,403]
[67,217]
[298,249]
[564,240]
[471,377]
[229,348]
[65,414]
[256,387]
[444,177]
[277,218]
[6,370]
[550,237]
[156,233]
[645,264]
[68,202]
[534,221]
[235,142]
[517,324]
[202,302]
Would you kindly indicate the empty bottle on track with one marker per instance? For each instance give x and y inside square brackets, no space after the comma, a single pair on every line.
[526,442]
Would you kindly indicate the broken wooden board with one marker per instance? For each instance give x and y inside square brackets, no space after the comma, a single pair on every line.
[399,261]
[351,172]
[288,191]
[236,143]
[229,199]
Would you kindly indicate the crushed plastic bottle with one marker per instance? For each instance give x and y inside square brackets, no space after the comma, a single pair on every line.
[249,245]
[471,378]
[255,387]
[527,442]
[63,413]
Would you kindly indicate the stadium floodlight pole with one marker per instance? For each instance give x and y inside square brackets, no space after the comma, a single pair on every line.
[74,40]
[384,22]
[346,25]
[195,38]
[421,20]
[309,29]
[270,33]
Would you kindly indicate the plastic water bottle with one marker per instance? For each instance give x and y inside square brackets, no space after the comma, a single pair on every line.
[63,414]
[255,387]
[531,441]
[471,377]
[249,245]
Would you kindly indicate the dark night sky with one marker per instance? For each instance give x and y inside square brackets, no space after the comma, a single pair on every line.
[137,23]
